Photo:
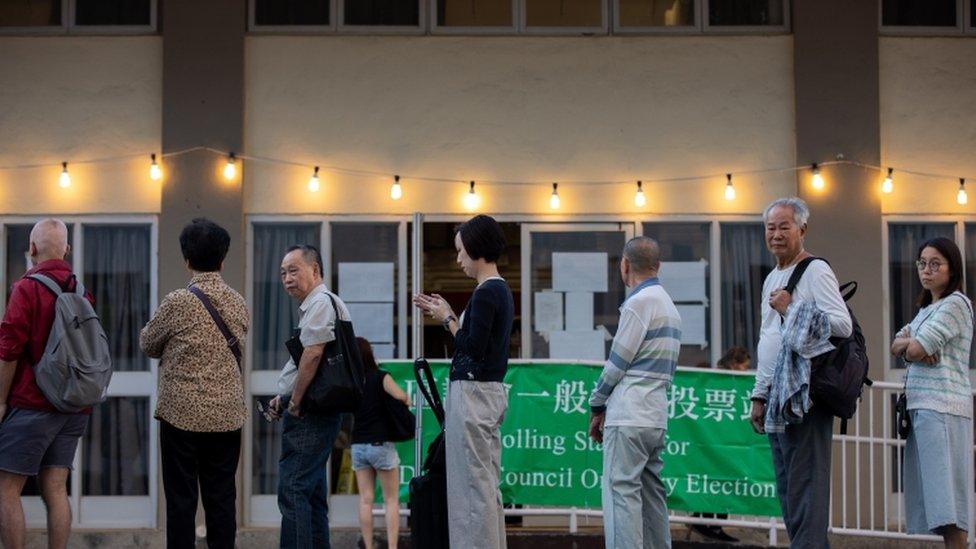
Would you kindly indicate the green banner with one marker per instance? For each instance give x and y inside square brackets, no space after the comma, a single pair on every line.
[713,461]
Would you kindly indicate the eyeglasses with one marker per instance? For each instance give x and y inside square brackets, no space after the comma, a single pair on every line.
[931,266]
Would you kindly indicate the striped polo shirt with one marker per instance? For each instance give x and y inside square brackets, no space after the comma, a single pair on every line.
[633,387]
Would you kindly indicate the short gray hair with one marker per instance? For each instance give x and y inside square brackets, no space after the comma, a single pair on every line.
[801,212]
[643,253]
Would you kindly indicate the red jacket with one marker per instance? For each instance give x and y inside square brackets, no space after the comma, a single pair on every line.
[25,328]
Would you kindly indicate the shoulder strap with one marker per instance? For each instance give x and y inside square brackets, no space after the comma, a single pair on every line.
[798,271]
[48,282]
[232,342]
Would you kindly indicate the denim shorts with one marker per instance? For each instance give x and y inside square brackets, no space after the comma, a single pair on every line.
[31,440]
[382,457]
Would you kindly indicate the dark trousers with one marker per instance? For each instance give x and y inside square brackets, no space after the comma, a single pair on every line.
[801,458]
[208,460]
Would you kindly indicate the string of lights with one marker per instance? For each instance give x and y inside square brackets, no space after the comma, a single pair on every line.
[471,199]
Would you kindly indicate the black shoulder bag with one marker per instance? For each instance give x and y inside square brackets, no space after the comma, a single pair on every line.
[340,378]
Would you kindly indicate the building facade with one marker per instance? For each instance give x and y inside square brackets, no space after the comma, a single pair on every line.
[602,97]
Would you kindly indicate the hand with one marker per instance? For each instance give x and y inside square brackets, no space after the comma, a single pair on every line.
[757,417]
[295,407]
[596,427]
[434,305]
[274,408]
[932,359]
[780,300]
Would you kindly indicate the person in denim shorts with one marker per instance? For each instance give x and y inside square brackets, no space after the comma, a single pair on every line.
[372,452]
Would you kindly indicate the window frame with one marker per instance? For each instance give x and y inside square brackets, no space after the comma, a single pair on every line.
[106,512]
[336,26]
[959,222]
[69,27]
[962,26]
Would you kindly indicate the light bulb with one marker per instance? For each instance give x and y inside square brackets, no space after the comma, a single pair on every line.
[888,184]
[818,180]
[961,197]
[313,183]
[155,172]
[639,199]
[471,199]
[554,197]
[729,189]
[230,170]
[64,180]
[396,191]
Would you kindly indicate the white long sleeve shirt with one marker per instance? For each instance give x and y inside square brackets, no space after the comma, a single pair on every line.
[818,284]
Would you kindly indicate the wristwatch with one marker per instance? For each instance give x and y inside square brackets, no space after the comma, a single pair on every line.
[447,322]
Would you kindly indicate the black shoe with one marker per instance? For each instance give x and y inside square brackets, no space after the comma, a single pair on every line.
[703,529]
[719,534]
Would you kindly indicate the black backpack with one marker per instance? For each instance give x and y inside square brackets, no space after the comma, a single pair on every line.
[837,377]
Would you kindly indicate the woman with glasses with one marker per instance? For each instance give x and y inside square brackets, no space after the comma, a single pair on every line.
[936,348]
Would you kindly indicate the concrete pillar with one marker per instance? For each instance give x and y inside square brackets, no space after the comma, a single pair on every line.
[203,105]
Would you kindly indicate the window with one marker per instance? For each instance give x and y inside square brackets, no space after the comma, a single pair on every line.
[577,14]
[656,13]
[291,12]
[275,314]
[919,13]
[474,13]
[381,13]
[656,16]
[114,484]
[71,16]
[745,264]
[903,285]
[113,12]
[685,253]
[746,13]
[29,13]
[939,17]
[441,275]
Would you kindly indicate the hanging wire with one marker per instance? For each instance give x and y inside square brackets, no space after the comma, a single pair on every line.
[489,182]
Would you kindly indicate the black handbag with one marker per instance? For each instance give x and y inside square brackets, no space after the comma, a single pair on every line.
[902,421]
[400,421]
[340,378]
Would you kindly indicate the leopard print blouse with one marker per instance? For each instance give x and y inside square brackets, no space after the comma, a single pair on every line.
[200,385]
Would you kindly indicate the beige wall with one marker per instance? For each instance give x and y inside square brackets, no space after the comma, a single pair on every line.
[928,124]
[518,108]
[67,98]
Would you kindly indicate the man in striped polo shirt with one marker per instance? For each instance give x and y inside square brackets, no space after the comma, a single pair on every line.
[630,404]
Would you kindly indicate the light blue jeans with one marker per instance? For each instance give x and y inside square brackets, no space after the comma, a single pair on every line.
[635,510]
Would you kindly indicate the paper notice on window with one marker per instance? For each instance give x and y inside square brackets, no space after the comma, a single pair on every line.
[373,321]
[548,312]
[383,350]
[370,282]
[693,325]
[579,311]
[577,345]
[684,280]
[579,272]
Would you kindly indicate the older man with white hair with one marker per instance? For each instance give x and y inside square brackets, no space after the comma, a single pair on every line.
[35,439]
[800,446]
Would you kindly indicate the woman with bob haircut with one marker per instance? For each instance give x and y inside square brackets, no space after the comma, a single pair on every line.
[936,348]
[476,397]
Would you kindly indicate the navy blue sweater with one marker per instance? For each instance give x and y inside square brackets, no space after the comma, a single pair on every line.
[481,343]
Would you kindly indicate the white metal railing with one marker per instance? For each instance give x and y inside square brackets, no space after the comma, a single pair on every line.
[865,499]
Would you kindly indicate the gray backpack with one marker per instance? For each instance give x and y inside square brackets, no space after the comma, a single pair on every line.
[76,367]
